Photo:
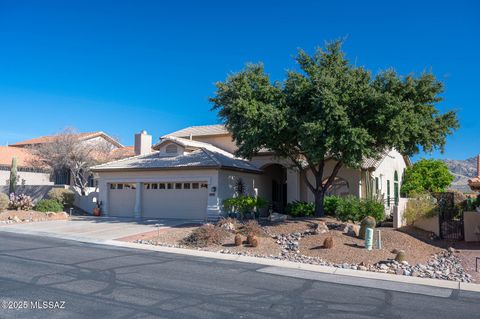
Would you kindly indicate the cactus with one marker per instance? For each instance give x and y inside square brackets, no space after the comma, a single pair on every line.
[367,222]
[254,242]
[238,240]
[250,237]
[401,256]
[13,176]
[328,242]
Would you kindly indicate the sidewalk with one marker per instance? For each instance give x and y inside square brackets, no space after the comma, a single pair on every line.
[279,267]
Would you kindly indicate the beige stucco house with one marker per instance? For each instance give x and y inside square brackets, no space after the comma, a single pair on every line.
[190,172]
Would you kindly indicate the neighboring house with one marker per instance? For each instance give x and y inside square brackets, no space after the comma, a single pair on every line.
[64,177]
[27,174]
[191,171]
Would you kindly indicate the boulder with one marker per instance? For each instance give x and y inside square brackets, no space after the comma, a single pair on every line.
[352,230]
[276,217]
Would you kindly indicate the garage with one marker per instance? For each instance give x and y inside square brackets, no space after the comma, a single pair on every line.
[122,199]
[183,200]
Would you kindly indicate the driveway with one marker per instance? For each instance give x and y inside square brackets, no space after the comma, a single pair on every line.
[97,228]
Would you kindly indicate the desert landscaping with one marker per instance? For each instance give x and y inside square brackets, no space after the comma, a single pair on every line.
[408,251]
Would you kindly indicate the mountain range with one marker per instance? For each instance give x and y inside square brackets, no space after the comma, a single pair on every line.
[463,171]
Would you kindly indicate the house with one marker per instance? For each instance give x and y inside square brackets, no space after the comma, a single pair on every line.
[29,173]
[190,172]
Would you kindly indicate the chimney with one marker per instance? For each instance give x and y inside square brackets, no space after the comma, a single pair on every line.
[478,165]
[143,143]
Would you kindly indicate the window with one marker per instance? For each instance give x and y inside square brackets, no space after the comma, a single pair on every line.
[388,192]
[203,186]
[195,185]
[161,186]
[169,186]
[186,185]
[178,185]
[171,149]
[119,186]
[376,184]
[113,186]
[147,186]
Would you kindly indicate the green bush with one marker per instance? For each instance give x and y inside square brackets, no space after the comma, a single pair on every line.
[243,204]
[354,209]
[420,207]
[330,204]
[3,201]
[49,205]
[300,209]
[373,208]
[62,195]
[348,208]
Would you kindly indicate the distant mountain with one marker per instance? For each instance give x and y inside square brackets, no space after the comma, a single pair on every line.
[463,171]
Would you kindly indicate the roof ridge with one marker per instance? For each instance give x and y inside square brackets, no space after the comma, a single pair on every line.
[126,158]
[211,156]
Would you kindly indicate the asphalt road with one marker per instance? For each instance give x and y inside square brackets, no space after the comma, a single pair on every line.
[93,281]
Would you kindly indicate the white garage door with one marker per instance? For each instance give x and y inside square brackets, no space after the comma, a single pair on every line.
[184,200]
[121,199]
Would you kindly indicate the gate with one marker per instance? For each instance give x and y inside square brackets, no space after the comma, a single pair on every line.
[449,217]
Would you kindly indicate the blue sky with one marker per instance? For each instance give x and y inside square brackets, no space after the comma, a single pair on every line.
[123,66]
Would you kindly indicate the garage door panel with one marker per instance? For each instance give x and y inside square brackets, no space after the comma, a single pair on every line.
[121,202]
[175,203]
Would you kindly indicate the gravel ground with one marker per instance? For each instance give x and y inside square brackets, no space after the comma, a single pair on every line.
[351,250]
[22,216]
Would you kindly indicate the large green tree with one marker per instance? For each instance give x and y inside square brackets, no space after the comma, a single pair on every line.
[331,110]
[426,175]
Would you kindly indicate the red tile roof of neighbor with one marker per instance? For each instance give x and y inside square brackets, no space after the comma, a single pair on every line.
[23,156]
[51,138]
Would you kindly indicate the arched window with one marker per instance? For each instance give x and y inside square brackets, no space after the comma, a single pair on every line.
[395,176]
[396,188]
[171,149]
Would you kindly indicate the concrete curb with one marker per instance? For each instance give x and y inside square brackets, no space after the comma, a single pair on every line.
[264,261]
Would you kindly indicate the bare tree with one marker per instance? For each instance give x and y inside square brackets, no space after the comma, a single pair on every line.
[67,152]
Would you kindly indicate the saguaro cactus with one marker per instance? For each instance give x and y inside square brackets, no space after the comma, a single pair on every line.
[13,176]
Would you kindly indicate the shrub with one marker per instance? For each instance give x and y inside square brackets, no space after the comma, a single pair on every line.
[420,207]
[205,235]
[49,205]
[20,202]
[243,204]
[251,228]
[330,204]
[372,207]
[3,201]
[300,209]
[354,209]
[348,208]
[64,196]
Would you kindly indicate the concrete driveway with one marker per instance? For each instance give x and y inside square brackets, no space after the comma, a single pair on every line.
[97,228]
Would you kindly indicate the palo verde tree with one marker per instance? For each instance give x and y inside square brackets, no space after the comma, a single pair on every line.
[426,176]
[331,110]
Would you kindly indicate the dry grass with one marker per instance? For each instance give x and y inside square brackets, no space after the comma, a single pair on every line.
[205,235]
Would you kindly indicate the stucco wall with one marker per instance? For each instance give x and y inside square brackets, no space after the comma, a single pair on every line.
[221,141]
[394,161]
[36,192]
[429,224]
[471,222]
[352,176]
[26,178]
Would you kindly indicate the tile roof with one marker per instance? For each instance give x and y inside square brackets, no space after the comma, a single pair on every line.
[203,130]
[51,138]
[204,155]
[24,156]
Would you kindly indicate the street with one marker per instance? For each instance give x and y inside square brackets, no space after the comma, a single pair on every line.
[50,278]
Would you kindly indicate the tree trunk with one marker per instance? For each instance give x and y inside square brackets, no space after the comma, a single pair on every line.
[319,205]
